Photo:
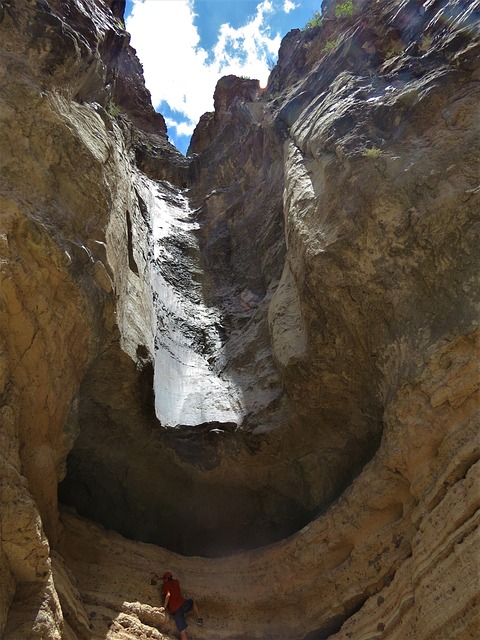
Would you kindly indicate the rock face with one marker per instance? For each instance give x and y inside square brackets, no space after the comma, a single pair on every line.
[270,342]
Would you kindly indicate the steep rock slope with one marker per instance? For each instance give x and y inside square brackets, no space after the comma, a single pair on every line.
[337,252]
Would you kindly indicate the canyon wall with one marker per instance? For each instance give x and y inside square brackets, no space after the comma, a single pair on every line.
[255,366]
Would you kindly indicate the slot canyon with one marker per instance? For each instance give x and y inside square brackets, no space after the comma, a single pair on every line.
[256,365]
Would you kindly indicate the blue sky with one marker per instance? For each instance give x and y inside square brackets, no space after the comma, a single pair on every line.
[185,46]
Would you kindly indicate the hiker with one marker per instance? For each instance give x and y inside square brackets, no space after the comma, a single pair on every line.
[177,605]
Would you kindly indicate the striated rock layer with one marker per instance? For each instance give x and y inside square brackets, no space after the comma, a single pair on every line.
[265,351]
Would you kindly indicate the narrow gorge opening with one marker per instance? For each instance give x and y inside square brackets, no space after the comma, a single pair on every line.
[265,400]
[256,396]
[206,453]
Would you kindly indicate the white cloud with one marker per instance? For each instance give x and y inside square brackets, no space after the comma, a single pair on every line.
[182,128]
[288,6]
[183,74]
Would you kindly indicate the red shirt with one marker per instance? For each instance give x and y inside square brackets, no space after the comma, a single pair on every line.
[173,586]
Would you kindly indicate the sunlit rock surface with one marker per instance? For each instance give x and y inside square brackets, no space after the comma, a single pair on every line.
[188,345]
[265,354]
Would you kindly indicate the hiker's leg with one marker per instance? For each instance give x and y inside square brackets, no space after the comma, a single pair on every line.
[179,617]
[196,610]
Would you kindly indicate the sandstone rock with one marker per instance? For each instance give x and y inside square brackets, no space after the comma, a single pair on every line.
[36,613]
[73,608]
[381,560]
[319,269]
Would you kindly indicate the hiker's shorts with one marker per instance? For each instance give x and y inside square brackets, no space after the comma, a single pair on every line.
[179,615]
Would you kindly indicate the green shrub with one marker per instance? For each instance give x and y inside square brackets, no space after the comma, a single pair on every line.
[315,21]
[397,49]
[331,44]
[345,10]
[372,152]
[113,109]
[426,43]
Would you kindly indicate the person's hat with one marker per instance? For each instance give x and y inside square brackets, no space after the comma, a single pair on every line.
[167,575]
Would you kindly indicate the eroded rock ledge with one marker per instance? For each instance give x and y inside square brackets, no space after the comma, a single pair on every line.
[332,230]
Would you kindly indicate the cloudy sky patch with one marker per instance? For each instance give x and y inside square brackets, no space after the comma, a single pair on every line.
[288,6]
[185,46]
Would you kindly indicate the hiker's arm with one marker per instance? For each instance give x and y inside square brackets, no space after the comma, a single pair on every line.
[167,598]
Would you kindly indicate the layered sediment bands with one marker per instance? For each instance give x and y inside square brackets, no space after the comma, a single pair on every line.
[316,259]
[393,558]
